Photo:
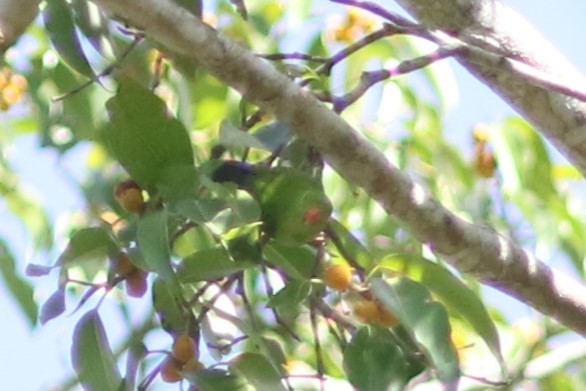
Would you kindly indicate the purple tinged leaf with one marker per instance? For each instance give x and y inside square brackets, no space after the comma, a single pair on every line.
[53,307]
[34,270]
[58,20]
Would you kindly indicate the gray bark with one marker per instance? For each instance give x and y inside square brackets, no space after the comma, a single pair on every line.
[15,17]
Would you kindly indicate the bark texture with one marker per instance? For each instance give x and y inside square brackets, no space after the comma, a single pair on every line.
[473,249]
[15,17]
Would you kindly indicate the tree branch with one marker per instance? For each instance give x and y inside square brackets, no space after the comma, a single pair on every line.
[15,17]
[491,26]
[473,249]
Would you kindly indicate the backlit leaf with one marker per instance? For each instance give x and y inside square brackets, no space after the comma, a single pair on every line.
[143,137]
[21,291]
[92,356]
[426,320]
[59,23]
[53,307]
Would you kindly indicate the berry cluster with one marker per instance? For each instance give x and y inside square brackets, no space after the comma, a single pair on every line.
[12,88]
[366,309]
[182,360]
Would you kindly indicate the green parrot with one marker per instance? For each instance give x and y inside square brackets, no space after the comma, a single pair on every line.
[294,207]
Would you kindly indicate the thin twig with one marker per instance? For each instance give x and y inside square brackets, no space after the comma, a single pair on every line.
[369,79]
[475,47]
[337,242]
[270,293]
[108,70]
[329,313]
[317,345]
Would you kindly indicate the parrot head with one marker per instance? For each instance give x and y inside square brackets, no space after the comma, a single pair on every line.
[293,204]
[302,220]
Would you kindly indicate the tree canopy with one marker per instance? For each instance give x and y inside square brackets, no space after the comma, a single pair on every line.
[276,187]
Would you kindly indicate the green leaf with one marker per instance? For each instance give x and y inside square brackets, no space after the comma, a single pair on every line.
[374,361]
[295,292]
[519,169]
[153,241]
[233,138]
[201,210]
[274,135]
[426,320]
[217,380]
[78,110]
[92,357]
[178,182]
[351,245]
[27,209]
[209,264]
[454,293]
[136,354]
[273,350]
[243,209]
[167,304]
[94,25]
[58,20]
[243,244]
[142,136]
[53,307]
[88,244]
[298,262]
[21,291]
[259,371]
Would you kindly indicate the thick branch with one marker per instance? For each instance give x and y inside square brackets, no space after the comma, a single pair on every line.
[498,29]
[15,17]
[471,248]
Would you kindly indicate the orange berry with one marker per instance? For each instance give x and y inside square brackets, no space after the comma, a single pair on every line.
[481,133]
[19,81]
[171,370]
[129,196]
[366,311]
[338,277]
[484,161]
[184,348]
[124,265]
[193,366]
[11,94]
[385,317]
[136,283]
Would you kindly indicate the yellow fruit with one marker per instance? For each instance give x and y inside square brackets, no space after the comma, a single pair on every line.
[124,265]
[373,312]
[19,81]
[184,349]
[193,366]
[136,283]
[481,133]
[366,311]
[170,370]
[338,277]
[484,161]
[129,196]
[11,94]
[385,318]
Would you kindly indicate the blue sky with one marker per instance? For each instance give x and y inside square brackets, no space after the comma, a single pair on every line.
[37,359]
